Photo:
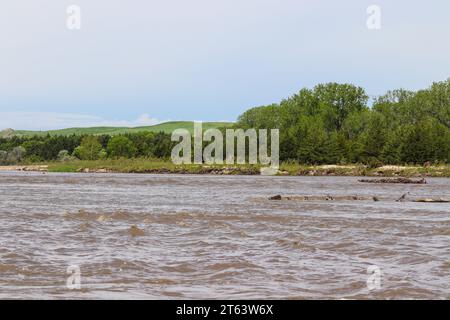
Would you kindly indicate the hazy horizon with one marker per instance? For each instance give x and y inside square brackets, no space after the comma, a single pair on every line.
[122,124]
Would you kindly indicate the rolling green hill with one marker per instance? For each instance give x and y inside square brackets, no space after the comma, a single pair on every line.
[166,127]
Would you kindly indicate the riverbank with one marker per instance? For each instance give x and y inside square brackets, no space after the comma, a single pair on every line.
[157,166]
[34,168]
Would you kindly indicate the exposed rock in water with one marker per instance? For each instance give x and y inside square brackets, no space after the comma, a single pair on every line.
[394,180]
[325,198]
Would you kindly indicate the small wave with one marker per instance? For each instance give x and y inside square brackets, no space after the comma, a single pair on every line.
[180,268]
[238,265]
[135,231]
[160,281]
[295,244]
[97,216]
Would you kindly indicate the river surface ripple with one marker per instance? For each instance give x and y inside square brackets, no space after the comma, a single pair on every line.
[207,237]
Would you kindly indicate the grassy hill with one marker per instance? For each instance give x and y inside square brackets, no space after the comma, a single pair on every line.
[166,127]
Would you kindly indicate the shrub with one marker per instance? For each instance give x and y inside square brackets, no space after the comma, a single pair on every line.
[16,155]
[65,156]
[3,157]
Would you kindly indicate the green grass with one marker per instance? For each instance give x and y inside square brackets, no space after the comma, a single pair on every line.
[295,169]
[63,168]
[140,165]
[166,127]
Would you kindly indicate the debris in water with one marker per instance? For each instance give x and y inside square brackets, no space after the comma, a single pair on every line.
[402,198]
[433,200]
[324,198]
[395,180]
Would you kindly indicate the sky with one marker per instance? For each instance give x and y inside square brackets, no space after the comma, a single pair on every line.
[141,62]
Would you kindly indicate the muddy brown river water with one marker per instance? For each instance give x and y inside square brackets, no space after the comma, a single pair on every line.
[189,236]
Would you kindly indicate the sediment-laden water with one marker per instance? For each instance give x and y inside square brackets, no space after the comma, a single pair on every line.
[182,237]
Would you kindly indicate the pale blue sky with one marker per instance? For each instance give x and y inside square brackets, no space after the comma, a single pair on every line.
[135,62]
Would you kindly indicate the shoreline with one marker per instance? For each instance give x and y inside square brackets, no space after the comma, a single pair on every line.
[31,168]
[286,169]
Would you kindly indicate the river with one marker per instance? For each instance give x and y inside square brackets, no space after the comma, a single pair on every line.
[127,236]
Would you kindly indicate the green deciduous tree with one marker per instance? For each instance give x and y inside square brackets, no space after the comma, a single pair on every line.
[121,147]
[89,149]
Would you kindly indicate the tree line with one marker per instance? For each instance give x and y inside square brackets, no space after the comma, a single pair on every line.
[333,123]
[15,149]
[329,124]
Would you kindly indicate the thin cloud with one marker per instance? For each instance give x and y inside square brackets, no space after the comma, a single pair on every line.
[52,121]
